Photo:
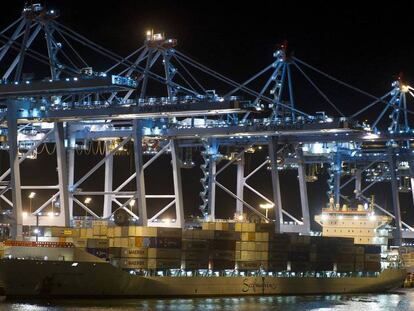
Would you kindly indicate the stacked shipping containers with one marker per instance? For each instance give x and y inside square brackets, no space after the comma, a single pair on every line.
[135,247]
[219,246]
[252,250]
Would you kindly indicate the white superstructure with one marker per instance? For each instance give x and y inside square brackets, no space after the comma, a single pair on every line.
[360,223]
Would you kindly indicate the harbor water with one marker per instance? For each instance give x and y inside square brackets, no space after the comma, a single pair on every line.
[401,300]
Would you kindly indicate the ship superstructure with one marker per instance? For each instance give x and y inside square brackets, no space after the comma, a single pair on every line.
[360,223]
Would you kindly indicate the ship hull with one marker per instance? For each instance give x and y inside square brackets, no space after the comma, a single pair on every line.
[33,279]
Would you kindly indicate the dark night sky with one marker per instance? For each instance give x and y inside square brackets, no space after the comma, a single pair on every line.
[365,46]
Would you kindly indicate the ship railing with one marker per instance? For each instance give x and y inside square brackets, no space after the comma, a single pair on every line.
[248,273]
[38,244]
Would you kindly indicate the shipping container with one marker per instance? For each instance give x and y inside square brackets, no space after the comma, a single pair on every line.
[164,263]
[164,253]
[60,232]
[99,252]
[220,254]
[128,231]
[278,256]
[248,236]
[359,266]
[117,231]
[169,232]
[372,266]
[80,242]
[265,227]
[300,239]
[219,264]
[195,255]
[97,243]
[372,249]
[110,232]
[345,267]
[262,236]
[222,226]
[161,242]
[222,245]
[115,252]
[194,244]
[99,230]
[194,264]
[130,263]
[359,258]
[345,258]
[133,252]
[298,256]
[321,266]
[277,265]
[373,257]
[248,265]
[249,255]
[347,250]
[299,266]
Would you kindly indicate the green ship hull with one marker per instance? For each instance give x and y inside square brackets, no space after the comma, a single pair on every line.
[34,278]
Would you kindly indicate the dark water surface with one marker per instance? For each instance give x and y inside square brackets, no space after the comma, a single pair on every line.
[401,300]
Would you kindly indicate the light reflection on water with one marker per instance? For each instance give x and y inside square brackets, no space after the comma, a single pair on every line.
[402,300]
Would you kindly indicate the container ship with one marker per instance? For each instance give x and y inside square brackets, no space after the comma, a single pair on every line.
[215,259]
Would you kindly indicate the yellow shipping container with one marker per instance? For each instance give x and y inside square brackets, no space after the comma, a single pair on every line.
[252,246]
[249,255]
[248,236]
[245,246]
[99,223]
[262,246]
[248,227]
[83,232]
[205,226]
[89,232]
[120,242]
[110,232]
[254,256]
[262,236]
[248,265]
[96,230]
[238,226]
[194,264]
[117,231]
[134,252]
[146,231]
[132,263]
[62,232]
[128,231]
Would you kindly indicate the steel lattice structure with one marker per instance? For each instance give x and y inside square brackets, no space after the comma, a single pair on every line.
[162,102]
